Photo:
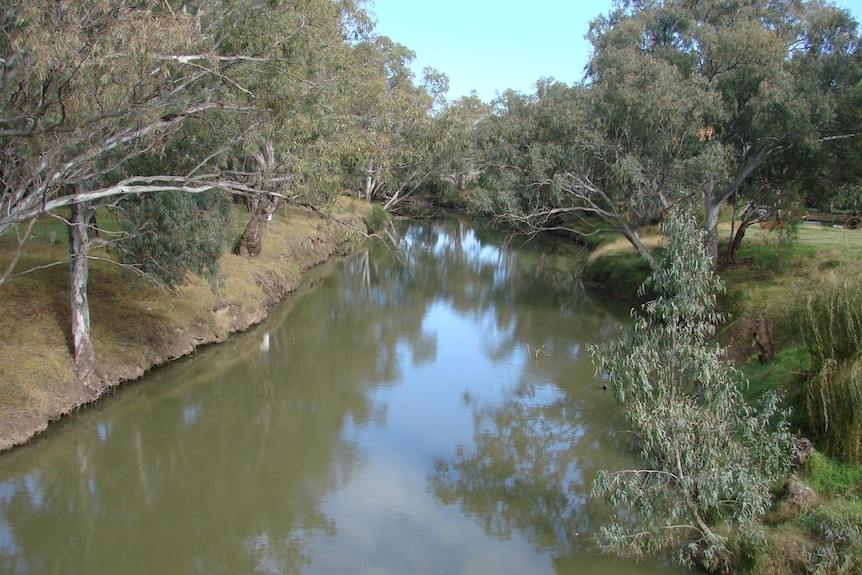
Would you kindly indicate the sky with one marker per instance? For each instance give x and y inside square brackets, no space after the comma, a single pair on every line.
[490,45]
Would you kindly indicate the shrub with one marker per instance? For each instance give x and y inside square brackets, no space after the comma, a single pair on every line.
[378,219]
[830,323]
[834,407]
[841,550]
[171,234]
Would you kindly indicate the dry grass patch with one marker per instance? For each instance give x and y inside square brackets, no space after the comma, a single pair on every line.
[34,357]
[136,328]
[784,553]
[622,246]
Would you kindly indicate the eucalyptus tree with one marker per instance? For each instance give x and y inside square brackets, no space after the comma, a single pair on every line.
[415,139]
[642,130]
[424,139]
[86,88]
[78,98]
[821,171]
[709,458]
[581,159]
[461,160]
[715,99]
[395,150]
[829,170]
[772,196]
[302,102]
[764,73]
[502,138]
[522,139]
[383,79]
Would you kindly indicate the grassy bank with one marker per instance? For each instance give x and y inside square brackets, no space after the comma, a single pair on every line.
[808,531]
[137,328]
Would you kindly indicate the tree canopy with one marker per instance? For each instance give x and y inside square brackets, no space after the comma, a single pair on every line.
[104,102]
[684,99]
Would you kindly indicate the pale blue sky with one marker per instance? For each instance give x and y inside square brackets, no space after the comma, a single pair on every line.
[491,45]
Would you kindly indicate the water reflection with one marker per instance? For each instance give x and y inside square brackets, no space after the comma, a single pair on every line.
[419,411]
[531,460]
[529,468]
[217,465]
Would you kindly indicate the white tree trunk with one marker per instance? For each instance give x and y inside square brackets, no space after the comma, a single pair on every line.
[82,343]
[370,184]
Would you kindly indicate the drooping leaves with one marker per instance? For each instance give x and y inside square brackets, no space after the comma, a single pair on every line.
[709,458]
[172,234]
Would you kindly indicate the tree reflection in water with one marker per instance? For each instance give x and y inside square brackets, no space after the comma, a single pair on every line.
[226,462]
[529,469]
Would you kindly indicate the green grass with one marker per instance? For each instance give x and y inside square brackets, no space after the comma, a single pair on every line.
[812,244]
[785,375]
[784,371]
[619,274]
[832,477]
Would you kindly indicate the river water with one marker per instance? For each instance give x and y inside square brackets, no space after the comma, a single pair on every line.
[426,410]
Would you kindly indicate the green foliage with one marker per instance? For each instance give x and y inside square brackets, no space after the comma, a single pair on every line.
[620,274]
[841,549]
[780,252]
[830,324]
[445,193]
[377,219]
[783,374]
[729,100]
[171,234]
[710,457]
[831,321]
[834,407]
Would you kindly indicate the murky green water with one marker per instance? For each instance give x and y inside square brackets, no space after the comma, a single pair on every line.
[431,410]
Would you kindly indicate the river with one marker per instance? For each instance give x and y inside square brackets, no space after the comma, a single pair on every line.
[430,409]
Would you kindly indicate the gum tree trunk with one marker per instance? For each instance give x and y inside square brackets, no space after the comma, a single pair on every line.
[712,210]
[370,180]
[79,301]
[261,206]
[251,243]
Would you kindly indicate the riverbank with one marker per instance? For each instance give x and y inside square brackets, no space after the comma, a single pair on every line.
[138,328]
[776,283]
